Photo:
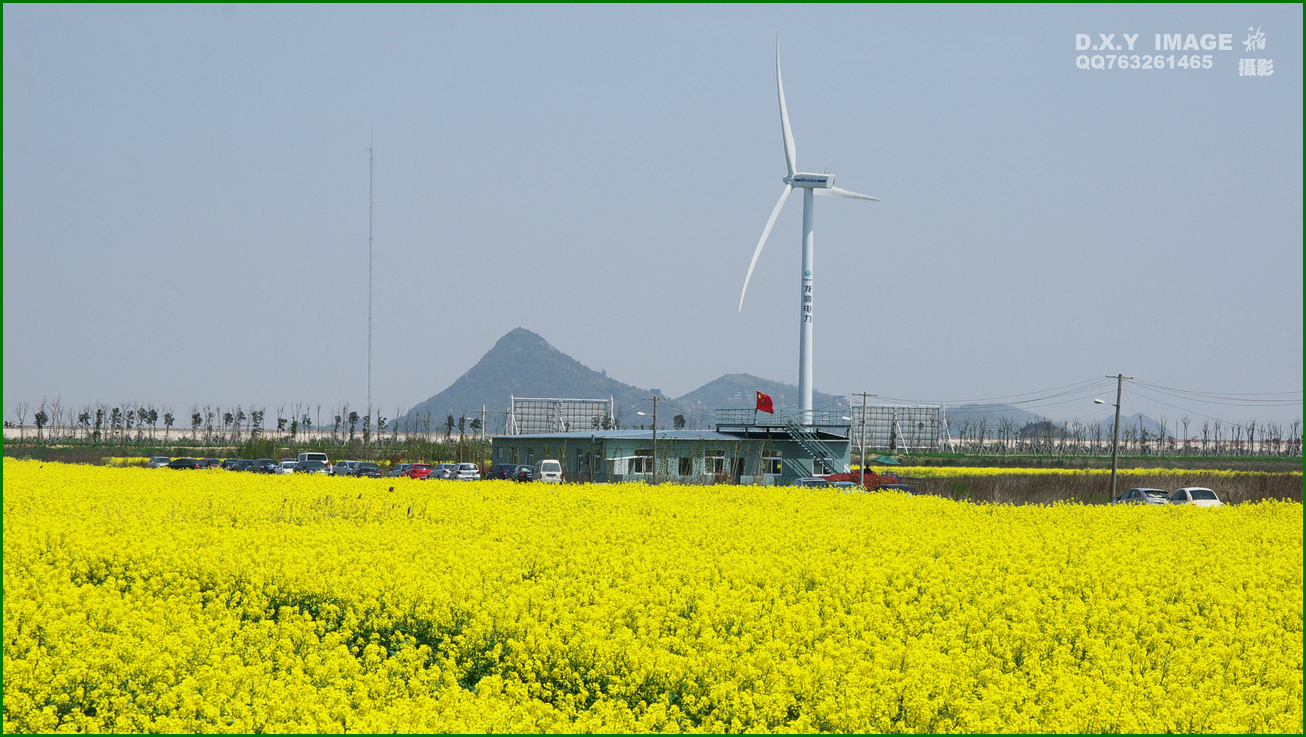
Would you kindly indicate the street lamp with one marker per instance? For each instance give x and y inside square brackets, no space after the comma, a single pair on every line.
[1115,440]
[655,438]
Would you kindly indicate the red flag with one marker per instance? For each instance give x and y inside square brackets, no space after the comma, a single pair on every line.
[764,403]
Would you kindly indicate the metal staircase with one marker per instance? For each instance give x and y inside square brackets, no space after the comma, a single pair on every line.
[810,442]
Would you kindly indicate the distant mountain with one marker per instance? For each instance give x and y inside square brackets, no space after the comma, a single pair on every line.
[523,364]
[738,391]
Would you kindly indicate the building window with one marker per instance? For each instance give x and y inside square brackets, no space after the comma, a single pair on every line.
[714,461]
[771,462]
[642,462]
[530,456]
[686,466]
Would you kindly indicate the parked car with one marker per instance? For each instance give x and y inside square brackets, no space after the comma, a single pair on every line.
[1143,496]
[547,471]
[465,472]
[420,471]
[314,457]
[904,488]
[1196,496]
[367,470]
[286,467]
[523,473]
[242,464]
[186,463]
[441,470]
[263,465]
[227,464]
[311,467]
[847,487]
[344,468]
[814,481]
[501,471]
[158,462]
[212,462]
[400,470]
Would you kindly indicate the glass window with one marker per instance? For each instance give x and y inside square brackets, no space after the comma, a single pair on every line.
[1181,496]
[771,462]
[686,466]
[1205,495]
[714,461]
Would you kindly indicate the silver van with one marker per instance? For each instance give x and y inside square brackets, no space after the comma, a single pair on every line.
[548,471]
[315,457]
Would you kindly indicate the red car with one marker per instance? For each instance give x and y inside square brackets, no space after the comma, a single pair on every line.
[419,471]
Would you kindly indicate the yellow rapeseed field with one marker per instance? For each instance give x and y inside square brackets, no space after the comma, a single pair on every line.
[947,472]
[208,601]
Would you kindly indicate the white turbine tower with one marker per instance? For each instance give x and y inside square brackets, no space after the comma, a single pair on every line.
[821,184]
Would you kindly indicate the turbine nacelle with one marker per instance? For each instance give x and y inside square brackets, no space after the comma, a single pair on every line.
[810,180]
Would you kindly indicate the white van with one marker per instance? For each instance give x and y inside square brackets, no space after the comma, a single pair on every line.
[315,457]
[548,471]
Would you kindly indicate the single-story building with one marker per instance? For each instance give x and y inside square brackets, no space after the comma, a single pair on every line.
[683,456]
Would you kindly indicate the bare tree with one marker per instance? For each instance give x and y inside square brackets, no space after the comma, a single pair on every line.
[20,411]
[1184,421]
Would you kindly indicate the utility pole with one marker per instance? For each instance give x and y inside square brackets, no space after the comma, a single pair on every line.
[862,481]
[370,156]
[654,399]
[482,457]
[1115,439]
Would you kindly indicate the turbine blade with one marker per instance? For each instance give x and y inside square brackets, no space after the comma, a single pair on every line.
[791,155]
[765,232]
[836,192]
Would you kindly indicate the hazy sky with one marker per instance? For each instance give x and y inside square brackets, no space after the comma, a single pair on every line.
[186,200]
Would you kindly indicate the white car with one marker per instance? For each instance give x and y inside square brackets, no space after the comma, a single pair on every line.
[158,462]
[286,467]
[465,472]
[1196,496]
[442,471]
[549,471]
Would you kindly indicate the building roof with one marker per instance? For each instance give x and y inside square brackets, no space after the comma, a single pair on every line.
[628,435]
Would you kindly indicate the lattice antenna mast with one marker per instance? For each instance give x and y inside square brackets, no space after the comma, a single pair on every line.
[369,277]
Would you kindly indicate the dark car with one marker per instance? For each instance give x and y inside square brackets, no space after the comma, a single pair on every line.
[904,488]
[186,463]
[523,473]
[228,464]
[211,463]
[1144,496]
[237,464]
[311,467]
[262,465]
[367,470]
[501,471]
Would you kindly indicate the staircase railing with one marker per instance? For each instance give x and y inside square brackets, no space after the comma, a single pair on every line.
[811,442]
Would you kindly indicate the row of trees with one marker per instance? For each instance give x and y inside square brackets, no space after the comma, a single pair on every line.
[1212,437]
[135,422]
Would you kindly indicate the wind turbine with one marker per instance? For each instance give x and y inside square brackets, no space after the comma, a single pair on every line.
[811,184]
